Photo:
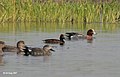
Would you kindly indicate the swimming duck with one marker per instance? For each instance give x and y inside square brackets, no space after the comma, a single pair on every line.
[45,51]
[56,41]
[26,51]
[21,48]
[89,35]
[18,48]
[2,45]
[71,35]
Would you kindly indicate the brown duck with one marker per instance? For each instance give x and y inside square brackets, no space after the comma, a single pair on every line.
[21,48]
[45,51]
[56,41]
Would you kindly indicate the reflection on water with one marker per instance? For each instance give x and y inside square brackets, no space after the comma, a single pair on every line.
[89,41]
[79,58]
[54,27]
[1,60]
[46,58]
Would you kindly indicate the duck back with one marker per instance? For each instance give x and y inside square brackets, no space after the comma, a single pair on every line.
[54,41]
[37,52]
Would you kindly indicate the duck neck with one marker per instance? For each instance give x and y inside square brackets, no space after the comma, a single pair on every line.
[62,40]
[90,35]
[44,49]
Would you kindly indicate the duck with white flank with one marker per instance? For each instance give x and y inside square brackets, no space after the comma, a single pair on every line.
[89,35]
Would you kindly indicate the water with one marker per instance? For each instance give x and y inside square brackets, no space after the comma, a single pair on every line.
[100,58]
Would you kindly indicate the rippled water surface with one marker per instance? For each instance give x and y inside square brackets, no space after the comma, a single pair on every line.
[77,58]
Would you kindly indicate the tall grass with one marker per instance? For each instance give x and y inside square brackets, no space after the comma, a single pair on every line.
[28,10]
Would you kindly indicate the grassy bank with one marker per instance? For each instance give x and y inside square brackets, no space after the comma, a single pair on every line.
[27,11]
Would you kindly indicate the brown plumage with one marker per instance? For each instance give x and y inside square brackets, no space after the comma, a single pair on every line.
[90,33]
[55,41]
[2,45]
[45,51]
[20,48]
[9,48]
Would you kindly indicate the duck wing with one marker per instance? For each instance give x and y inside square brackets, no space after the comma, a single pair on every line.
[37,52]
[51,41]
[9,48]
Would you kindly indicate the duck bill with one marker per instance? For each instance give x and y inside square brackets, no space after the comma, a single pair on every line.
[52,50]
[94,33]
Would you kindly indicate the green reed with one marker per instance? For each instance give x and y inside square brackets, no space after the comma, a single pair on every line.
[111,12]
[27,11]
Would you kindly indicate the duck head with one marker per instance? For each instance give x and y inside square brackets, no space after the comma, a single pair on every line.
[21,45]
[48,48]
[90,32]
[23,48]
[62,38]
[2,44]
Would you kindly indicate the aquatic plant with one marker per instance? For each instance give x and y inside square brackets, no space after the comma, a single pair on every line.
[49,11]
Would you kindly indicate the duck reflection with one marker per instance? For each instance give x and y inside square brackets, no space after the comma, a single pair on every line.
[90,41]
[1,61]
[2,45]
[46,58]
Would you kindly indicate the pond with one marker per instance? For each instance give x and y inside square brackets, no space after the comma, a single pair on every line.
[79,58]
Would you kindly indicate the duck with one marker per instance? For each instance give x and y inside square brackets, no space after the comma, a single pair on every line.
[45,51]
[56,41]
[2,45]
[71,35]
[89,35]
[20,48]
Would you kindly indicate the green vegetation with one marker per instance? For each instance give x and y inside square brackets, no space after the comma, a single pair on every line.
[88,11]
